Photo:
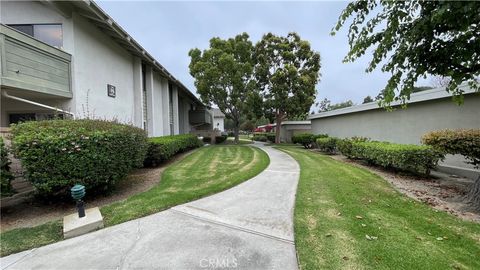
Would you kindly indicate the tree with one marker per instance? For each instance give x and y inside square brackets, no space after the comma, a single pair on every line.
[224,75]
[287,71]
[416,89]
[325,105]
[247,125]
[367,99]
[415,38]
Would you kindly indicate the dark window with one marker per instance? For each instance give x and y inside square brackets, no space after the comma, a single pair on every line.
[16,118]
[51,34]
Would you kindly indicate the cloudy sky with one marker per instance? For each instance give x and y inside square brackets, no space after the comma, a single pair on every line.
[168,30]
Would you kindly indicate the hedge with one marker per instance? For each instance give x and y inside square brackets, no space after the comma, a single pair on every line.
[259,138]
[5,175]
[345,145]
[220,139]
[327,145]
[407,157]
[58,154]
[465,142]
[161,149]
[307,139]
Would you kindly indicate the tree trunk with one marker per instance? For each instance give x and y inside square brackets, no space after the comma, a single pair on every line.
[278,126]
[236,128]
[235,132]
[473,196]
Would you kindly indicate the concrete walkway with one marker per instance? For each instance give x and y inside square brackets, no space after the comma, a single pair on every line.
[249,226]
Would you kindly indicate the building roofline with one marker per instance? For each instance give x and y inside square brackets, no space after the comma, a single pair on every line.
[427,95]
[306,122]
[96,15]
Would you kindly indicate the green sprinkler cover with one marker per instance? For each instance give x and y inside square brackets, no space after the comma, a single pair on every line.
[78,191]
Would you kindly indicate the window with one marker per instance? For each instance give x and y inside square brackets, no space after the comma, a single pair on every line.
[51,34]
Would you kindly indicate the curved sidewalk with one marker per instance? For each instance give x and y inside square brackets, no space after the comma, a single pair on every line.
[249,226]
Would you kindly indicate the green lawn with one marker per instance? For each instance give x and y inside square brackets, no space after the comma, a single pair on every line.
[339,206]
[206,171]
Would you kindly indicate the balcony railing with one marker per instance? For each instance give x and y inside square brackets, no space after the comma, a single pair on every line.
[31,65]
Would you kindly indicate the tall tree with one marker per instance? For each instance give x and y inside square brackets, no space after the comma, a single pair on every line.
[416,38]
[224,75]
[367,99]
[287,70]
[326,105]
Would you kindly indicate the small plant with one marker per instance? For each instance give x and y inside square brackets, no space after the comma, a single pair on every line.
[5,175]
[259,138]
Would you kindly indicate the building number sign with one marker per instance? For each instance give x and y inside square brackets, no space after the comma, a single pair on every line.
[111,90]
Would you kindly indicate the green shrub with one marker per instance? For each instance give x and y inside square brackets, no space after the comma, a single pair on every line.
[407,157]
[327,145]
[5,175]
[259,138]
[58,154]
[345,145]
[161,149]
[271,137]
[465,142]
[220,139]
[306,139]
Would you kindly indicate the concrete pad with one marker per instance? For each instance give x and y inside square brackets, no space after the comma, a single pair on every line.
[75,226]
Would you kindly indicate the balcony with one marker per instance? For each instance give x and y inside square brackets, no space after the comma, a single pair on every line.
[31,65]
[199,117]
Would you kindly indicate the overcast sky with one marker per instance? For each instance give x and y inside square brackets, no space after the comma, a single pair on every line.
[168,30]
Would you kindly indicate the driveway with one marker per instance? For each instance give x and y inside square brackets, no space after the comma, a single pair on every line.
[249,226]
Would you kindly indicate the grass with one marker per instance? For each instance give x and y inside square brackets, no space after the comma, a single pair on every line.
[206,171]
[339,206]
[231,140]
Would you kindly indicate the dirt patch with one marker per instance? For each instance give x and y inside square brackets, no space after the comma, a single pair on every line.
[32,212]
[441,191]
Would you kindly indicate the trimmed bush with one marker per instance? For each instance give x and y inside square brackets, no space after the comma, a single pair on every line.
[259,138]
[307,140]
[271,137]
[5,175]
[465,142]
[407,157]
[345,145]
[58,154]
[327,145]
[220,139]
[161,149]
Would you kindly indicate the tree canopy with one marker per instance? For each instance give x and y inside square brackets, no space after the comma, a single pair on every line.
[286,70]
[326,105]
[413,39]
[224,75]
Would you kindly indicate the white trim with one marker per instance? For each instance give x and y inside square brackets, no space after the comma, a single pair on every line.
[437,93]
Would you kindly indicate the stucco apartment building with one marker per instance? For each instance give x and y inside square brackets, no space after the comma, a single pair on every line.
[71,59]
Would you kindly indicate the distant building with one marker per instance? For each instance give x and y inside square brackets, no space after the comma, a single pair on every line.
[428,110]
[289,128]
[218,120]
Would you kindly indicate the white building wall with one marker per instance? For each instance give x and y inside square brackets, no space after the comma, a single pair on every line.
[406,126]
[176,129]
[99,61]
[219,123]
[157,111]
